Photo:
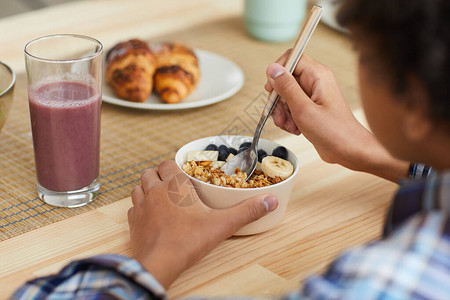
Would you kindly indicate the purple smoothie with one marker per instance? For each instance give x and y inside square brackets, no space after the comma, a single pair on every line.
[65,121]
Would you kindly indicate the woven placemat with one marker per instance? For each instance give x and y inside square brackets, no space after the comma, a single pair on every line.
[133,140]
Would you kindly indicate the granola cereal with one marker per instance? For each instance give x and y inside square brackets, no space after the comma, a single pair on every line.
[206,172]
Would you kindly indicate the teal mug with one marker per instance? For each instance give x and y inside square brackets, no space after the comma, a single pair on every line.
[274,20]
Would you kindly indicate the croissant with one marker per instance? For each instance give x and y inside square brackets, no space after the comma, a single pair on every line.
[130,67]
[177,71]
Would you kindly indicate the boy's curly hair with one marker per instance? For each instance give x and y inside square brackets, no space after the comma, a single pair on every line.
[413,38]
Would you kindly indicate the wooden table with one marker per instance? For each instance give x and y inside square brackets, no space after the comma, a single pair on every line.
[331,208]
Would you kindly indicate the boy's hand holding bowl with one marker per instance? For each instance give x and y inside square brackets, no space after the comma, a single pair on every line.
[177,219]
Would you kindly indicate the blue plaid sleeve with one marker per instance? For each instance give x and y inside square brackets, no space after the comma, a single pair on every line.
[414,263]
[411,262]
[99,277]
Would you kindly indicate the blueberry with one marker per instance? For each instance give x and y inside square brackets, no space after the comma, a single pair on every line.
[261,154]
[280,152]
[211,147]
[245,145]
[223,148]
[232,150]
[241,150]
[223,152]
[223,155]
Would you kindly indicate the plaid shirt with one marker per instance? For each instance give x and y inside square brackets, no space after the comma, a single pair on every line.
[412,261]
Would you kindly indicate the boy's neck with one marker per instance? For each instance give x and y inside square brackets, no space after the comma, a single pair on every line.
[436,150]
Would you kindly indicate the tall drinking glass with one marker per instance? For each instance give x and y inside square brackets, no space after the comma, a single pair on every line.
[64,74]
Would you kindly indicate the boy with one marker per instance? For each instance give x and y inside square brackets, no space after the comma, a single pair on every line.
[404,68]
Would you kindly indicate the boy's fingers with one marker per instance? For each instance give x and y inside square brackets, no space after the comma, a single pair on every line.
[148,178]
[307,64]
[137,195]
[289,124]
[289,89]
[131,218]
[283,58]
[250,210]
[268,87]
[278,116]
[168,169]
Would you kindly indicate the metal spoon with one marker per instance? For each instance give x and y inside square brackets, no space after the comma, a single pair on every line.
[246,160]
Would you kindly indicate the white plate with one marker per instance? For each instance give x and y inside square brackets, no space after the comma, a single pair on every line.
[330,9]
[220,79]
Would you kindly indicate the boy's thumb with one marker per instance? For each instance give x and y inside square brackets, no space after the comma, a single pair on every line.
[251,209]
[287,87]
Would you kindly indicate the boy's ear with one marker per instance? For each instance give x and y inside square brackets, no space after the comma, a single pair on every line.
[416,123]
[416,126]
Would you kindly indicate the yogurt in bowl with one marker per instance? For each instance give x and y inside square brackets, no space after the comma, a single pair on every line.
[216,196]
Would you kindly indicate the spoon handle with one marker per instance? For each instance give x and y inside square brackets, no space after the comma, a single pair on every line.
[308,28]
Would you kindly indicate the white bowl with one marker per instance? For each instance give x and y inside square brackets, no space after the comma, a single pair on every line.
[221,197]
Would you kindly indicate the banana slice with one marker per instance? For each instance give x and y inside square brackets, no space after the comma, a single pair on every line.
[274,166]
[217,164]
[202,155]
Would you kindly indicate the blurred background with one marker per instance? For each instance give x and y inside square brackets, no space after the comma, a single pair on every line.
[13,7]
